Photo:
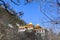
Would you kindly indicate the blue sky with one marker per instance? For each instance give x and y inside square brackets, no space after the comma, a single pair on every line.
[33,14]
[32,11]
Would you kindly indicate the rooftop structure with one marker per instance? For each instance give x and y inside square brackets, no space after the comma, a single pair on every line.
[30,26]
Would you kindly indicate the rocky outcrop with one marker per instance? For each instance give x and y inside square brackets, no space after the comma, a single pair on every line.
[7,33]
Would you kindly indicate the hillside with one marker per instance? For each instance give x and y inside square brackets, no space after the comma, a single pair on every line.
[7,33]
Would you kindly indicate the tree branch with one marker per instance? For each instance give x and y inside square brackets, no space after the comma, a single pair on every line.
[4,5]
[14,2]
[58,3]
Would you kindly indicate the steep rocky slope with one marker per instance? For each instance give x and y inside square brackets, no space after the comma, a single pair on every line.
[7,33]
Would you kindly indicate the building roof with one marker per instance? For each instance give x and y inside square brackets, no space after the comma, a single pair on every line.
[37,26]
[29,25]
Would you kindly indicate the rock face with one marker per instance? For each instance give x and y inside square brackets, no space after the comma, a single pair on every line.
[6,32]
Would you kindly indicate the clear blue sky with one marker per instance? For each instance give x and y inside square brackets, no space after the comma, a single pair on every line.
[33,14]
